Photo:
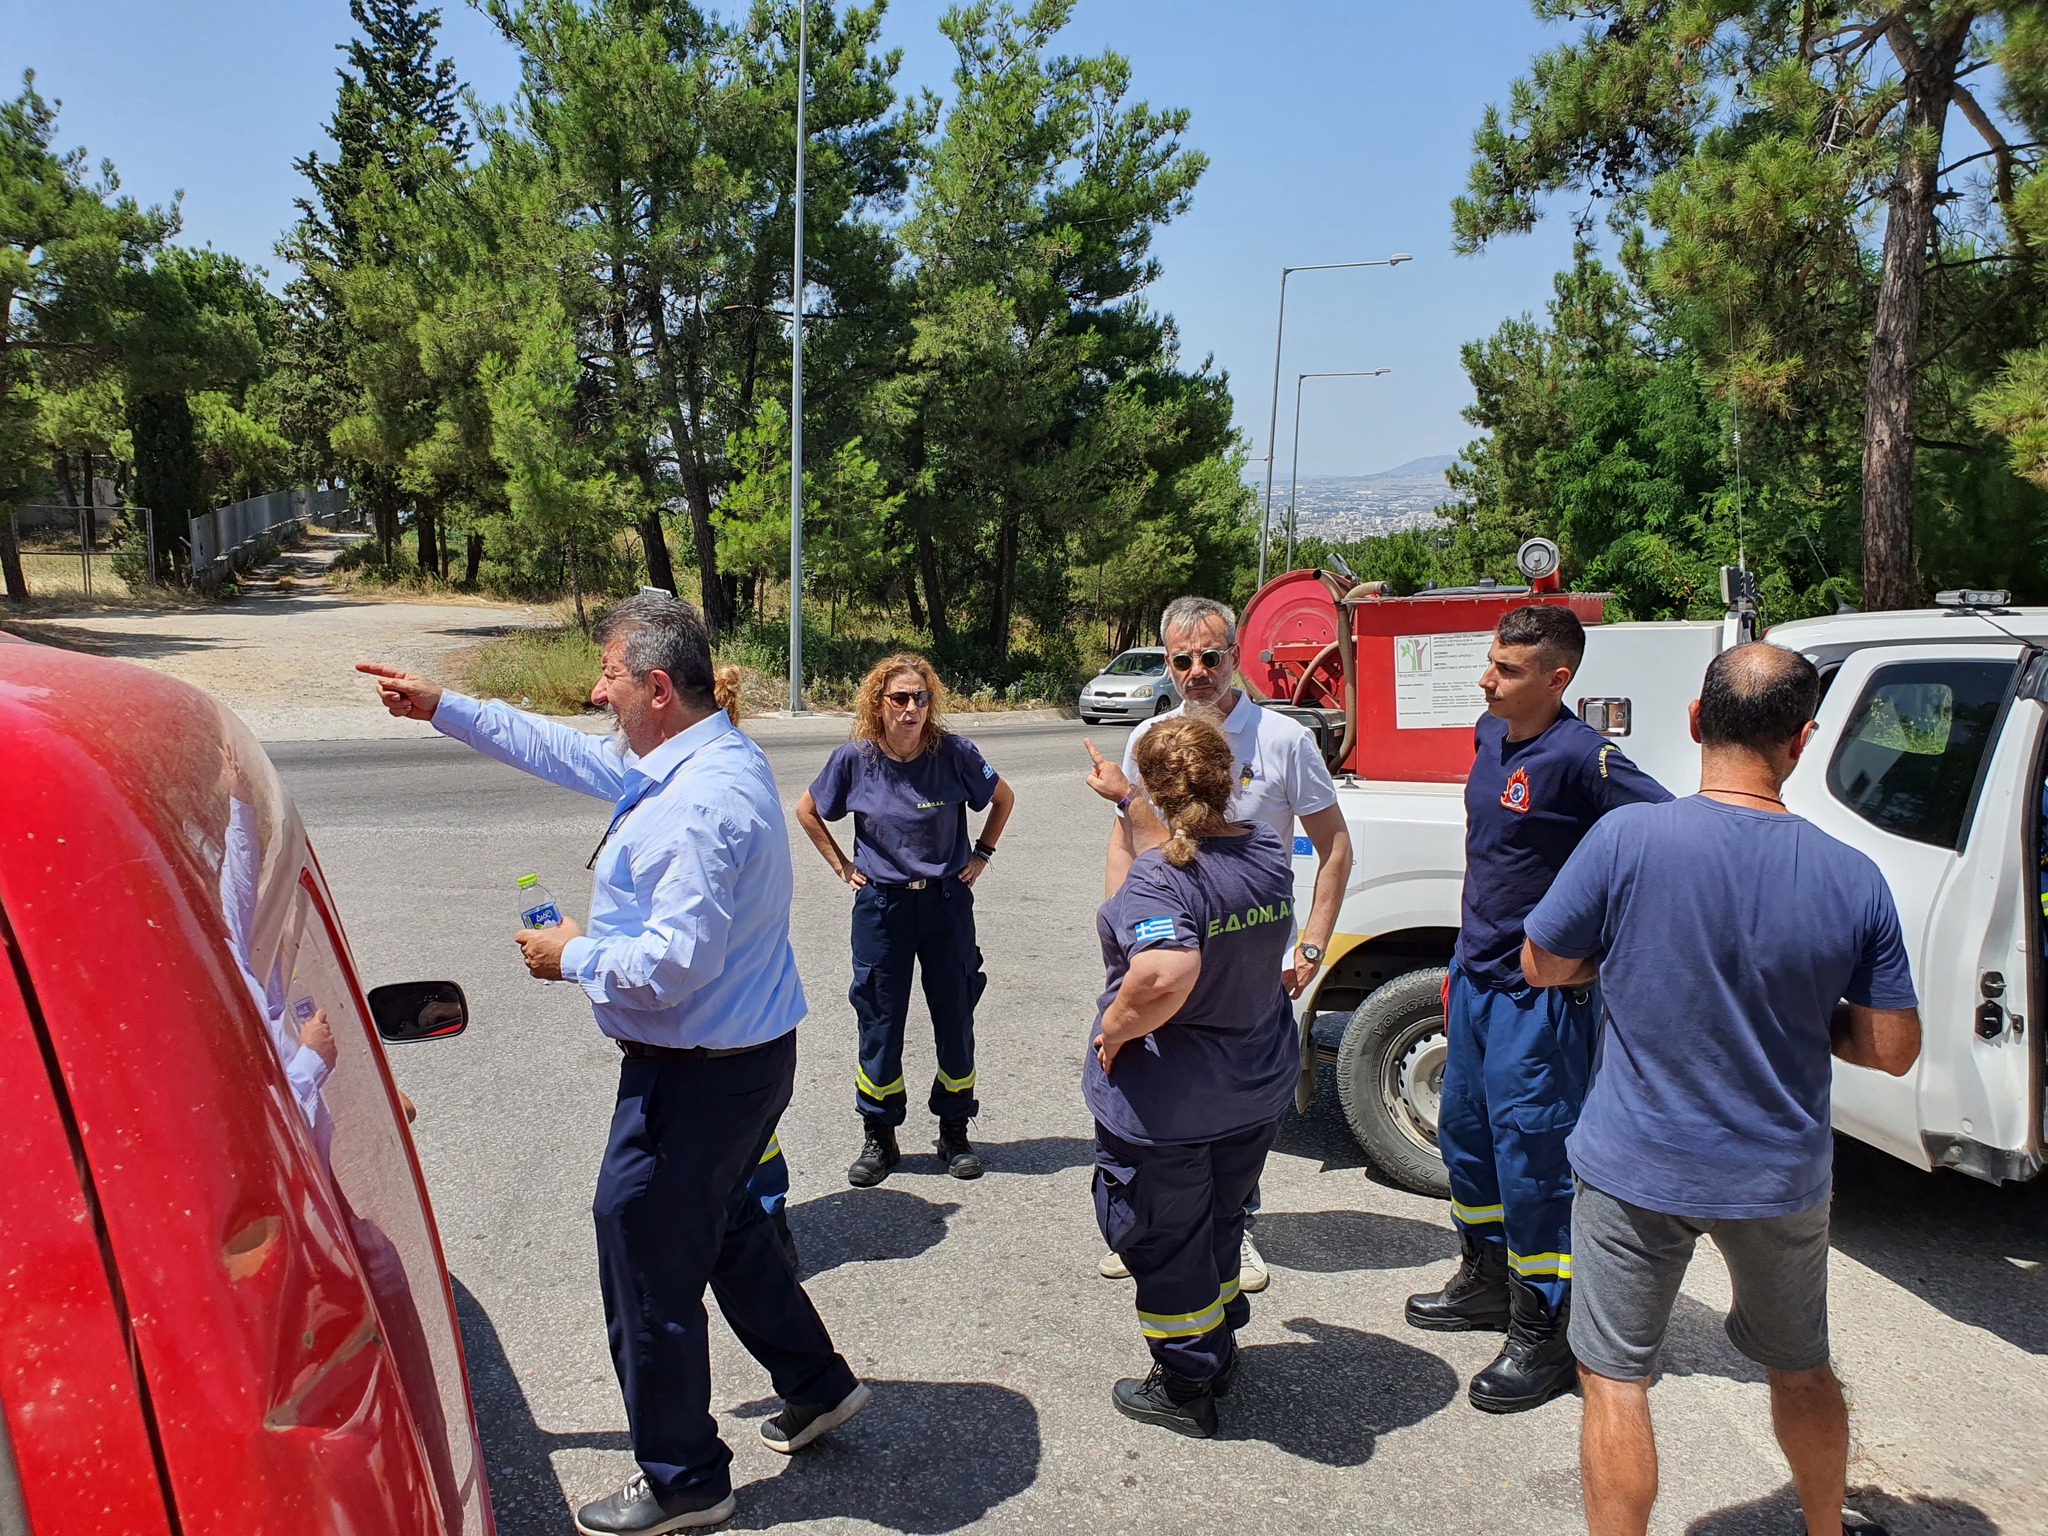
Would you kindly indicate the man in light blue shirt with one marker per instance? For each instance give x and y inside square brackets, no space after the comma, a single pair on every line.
[688,967]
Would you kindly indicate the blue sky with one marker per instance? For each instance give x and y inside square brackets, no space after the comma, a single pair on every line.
[1337,130]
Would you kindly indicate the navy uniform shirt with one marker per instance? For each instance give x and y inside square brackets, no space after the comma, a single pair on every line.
[909,819]
[1227,1061]
[1527,806]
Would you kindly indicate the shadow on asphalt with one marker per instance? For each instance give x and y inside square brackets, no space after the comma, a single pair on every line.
[1329,1398]
[122,644]
[900,1465]
[1323,1134]
[1977,1252]
[855,1226]
[1779,1513]
[1036,1154]
[525,1494]
[1696,1344]
[1332,1242]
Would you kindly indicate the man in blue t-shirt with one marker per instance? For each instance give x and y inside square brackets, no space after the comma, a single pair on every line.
[1519,1057]
[1738,947]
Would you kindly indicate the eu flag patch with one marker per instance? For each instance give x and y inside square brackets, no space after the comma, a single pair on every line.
[1303,847]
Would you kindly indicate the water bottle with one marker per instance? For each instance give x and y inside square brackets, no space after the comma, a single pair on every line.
[537,907]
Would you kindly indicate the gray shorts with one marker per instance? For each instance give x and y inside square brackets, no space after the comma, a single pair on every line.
[1627,1263]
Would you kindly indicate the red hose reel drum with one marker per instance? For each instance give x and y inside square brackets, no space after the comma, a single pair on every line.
[1287,642]
[1416,661]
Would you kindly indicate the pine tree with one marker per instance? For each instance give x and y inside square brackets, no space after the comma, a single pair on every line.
[1756,139]
[393,92]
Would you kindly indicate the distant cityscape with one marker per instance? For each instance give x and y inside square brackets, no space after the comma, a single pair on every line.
[1338,507]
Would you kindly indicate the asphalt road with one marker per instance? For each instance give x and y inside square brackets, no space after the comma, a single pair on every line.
[974,1308]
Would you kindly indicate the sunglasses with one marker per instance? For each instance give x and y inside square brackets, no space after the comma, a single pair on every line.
[907,699]
[1211,660]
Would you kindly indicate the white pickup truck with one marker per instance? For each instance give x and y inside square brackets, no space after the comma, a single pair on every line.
[1929,757]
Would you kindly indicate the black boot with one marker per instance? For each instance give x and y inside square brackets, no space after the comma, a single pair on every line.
[1475,1300]
[1536,1363]
[1169,1402]
[878,1157]
[1221,1383]
[955,1151]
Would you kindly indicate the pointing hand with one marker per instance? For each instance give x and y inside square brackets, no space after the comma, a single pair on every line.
[406,696]
[1106,778]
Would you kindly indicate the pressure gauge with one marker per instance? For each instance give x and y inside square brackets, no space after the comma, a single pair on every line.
[1536,558]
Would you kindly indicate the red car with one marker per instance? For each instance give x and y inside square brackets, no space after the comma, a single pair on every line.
[223,1304]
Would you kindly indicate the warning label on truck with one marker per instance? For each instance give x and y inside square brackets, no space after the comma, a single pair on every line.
[1436,680]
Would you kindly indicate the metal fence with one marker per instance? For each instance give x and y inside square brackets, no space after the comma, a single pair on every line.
[234,537]
[84,551]
[111,551]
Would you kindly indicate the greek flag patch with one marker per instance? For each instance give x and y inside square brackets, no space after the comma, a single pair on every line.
[988,770]
[1153,930]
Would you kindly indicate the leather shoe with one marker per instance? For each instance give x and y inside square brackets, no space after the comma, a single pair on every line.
[636,1510]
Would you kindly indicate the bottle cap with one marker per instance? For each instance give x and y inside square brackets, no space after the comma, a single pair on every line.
[526,880]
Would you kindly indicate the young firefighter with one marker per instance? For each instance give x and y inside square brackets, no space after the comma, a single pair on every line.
[1520,1057]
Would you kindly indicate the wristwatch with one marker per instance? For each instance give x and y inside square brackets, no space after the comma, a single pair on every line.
[1312,953]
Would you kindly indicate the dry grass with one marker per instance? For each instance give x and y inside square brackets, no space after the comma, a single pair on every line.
[550,670]
[547,670]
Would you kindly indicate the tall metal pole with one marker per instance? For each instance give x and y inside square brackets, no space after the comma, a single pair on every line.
[1273,416]
[796,388]
[1294,469]
[1273,423]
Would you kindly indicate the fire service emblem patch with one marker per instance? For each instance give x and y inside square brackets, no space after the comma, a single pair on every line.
[1516,796]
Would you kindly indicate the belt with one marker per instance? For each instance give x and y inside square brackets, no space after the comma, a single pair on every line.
[640,1051]
[901,885]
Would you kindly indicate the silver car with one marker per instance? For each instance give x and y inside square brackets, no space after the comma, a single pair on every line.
[1132,687]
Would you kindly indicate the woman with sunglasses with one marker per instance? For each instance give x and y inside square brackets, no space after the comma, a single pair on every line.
[909,783]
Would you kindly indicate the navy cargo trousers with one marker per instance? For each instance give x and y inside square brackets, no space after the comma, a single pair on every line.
[1175,1215]
[930,926]
[1515,1080]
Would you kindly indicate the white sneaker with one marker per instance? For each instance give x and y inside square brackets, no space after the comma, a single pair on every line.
[1112,1268]
[1252,1274]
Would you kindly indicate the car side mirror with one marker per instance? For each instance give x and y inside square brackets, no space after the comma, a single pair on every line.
[419,1010]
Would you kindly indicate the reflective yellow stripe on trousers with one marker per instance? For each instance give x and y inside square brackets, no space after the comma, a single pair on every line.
[867,1086]
[1541,1266]
[1188,1325]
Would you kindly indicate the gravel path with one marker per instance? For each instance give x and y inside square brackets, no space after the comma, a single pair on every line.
[283,654]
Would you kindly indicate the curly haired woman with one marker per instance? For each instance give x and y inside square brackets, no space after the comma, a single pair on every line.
[909,783]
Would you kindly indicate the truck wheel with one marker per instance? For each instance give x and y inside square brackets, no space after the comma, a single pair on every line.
[1390,1074]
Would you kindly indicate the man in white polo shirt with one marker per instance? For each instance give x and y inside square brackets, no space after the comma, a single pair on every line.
[1281,779]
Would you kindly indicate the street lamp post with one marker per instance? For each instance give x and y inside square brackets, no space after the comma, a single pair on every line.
[796,388]
[1273,418]
[1294,469]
